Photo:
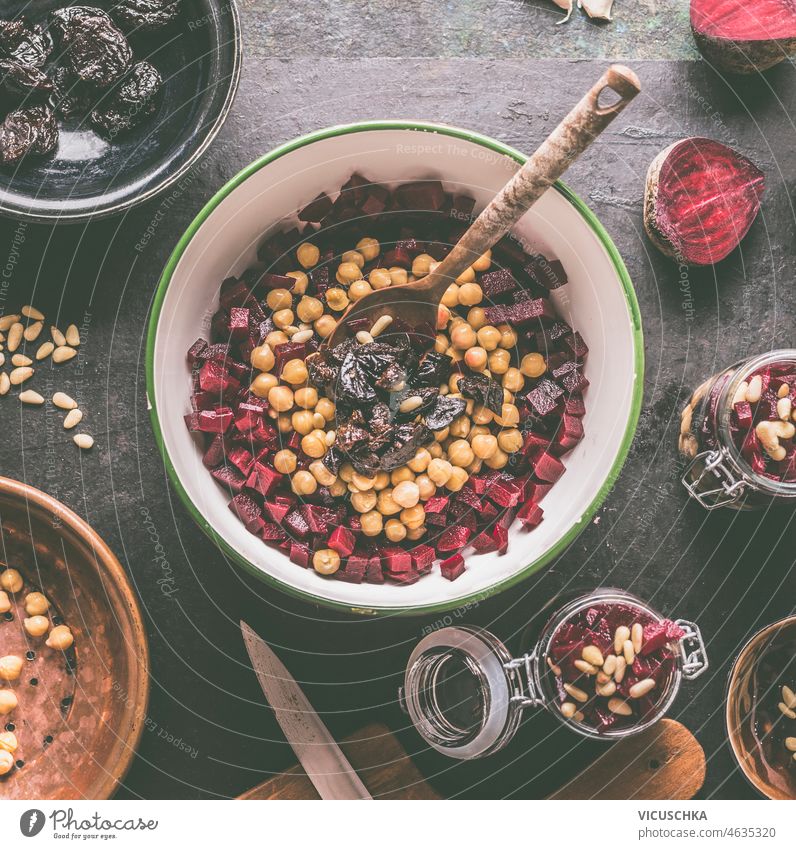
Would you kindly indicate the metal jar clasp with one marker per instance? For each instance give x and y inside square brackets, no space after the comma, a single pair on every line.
[525,693]
[692,650]
[713,463]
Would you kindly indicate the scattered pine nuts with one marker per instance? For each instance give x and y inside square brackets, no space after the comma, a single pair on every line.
[568,709]
[620,707]
[20,375]
[31,397]
[641,688]
[63,401]
[57,337]
[585,667]
[72,419]
[784,407]
[409,404]
[73,335]
[20,360]
[15,336]
[591,654]
[45,350]
[6,321]
[32,331]
[364,338]
[629,652]
[5,383]
[755,389]
[783,391]
[790,744]
[602,678]
[2,359]
[380,325]
[85,441]
[637,636]
[609,667]
[302,336]
[556,670]
[62,354]
[740,393]
[622,634]
[789,697]
[607,689]
[621,668]
[577,693]
[31,312]
[786,711]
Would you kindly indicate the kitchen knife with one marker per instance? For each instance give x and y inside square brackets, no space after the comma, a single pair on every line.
[326,766]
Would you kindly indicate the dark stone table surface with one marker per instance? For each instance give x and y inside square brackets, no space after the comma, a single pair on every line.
[507,70]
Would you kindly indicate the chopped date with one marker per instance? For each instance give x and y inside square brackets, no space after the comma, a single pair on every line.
[134,99]
[146,14]
[27,131]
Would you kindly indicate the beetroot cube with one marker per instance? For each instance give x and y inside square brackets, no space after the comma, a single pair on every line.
[536,490]
[242,459]
[296,525]
[264,433]
[229,477]
[214,377]
[521,313]
[288,351]
[485,542]
[275,281]
[248,511]
[300,554]
[214,421]
[574,381]
[192,421]
[530,514]
[501,537]
[318,518]
[495,283]
[547,272]
[247,418]
[452,567]
[396,560]
[398,256]
[342,540]
[317,209]
[436,504]
[575,343]
[454,538]
[195,351]
[214,455]
[547,467]
[461,207]
[238,325]
[428,195]
[505,493]
[743,415]
[422,557]
[276,510]
[544,397]
[469,497]
[533,443]
[569,434]
[404,577]
[374,573]
[656,636]
[574,405]
[263,479]
[235,295]
[376,201]
[273,534]
[438,520]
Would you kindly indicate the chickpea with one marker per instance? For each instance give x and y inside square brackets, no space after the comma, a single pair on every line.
[339,488]
[285,462]
[337,299]
[281,398]
[475,358]
[460,453]
[476,318]
[484,445]
[470,294]
[326,408]
[463,337]
[353,256]
[325,325]
[533,365]
[419,463]
[283,423]
[5,602]
[508,338]
[372,523]
[348,272]
[484,261]
[413,517]
[513,380]
[416,533]
[11,581]
[364,502]
[421,265]
[509,416]
[499,361]
[295,372]
[404,473]
[394,530]
[406,493]
[435,449]
[362,482]
[510,440]
[358,289]
[439,471]
[457,479]
[309,309]
[326,561]
[6,762]
[443,317]
[10,667]
[276,337]
[498,460]
[426,487]
[460,426]
[488,337]
[346,472]
[382,481]
[314,444]
[475,467]
[319,423]
[369,248]
[379,278]
[453,381]
[386,504]
[442,435]
[8,702]
[304,483]
[451,296]
[508,397]
[481,414]
[306,397]
[283,318]
[467,276]
[262,358]
[263,384]
[8,742]
[308,254]
[302,281]
[398,275]
[279,299]
[37,626]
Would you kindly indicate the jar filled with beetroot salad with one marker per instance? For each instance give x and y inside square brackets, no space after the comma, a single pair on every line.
[737,434]
[605,664]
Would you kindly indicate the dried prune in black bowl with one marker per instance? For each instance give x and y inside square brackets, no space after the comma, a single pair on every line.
[140,15]
[21,84]
[133,100]
[27,131]
[28,45]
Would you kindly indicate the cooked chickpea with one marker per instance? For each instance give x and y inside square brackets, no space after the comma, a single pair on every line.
[509,416]
[460,453]
[499,361]
[364,502]
[325,325]
[309,309]
[262,358]
[263,384]
[346,472]
[475,358]
[513,380]
[421,264]
[283,422]
[369,248]
[358,289]
[463,337]
[386,504]
[295,372]
[326,561]
[306,397]
[488,337]
[508,338]
[413,517]
[5,602]
[394,530]
[285,462]
[279,299]
[8,702]
[439,471]
[326,408]
[337,299]
[460,426]
[11,581]
[382,481]
[321,474]
[10,667]
[281,398]
[451,296]
[362,482]
[510,440]
[37,626]
[404,473]
[372,523]
[353,256]
[457,479]
[406,493]
[416,533]
[308,254]
[314,444]
[348,272]
[443,317]
[481,414]
[283,318]
[442,435]
[398,275]
[8,742]
[470,294]
[339,488]
[276,337]
[453,381]
[533,365]
[302,281]
[435,449]
[476,318]
[6,762]
[380,278]
[498,460]
[318,422]
[304,483]
[484,261]
[484,445]
[426,487]
[419,463]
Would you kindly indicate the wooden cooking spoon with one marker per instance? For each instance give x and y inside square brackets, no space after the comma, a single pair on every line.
[418,302]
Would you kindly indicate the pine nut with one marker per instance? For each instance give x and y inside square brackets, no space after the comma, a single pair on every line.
[790,744]
[330,437]
[57,336]
[784,407]
[20,360]
[302,336]
[73,335]
[73,418]
[2,359]
[629,652]
[32,331]
[755,390]
[621,668]
[62,354]
[20,375]
[409,404]
[83,440]
[568,709]
[606,689]
[620,707]
[556,670]
[45,350]
[740,393]
[622,634]
[15,336]
[637,636]
[591,654]
[5,383]
[786,711]
[783,391]
[380,325]
[641,688]
[31,397]
[31,312]
[584,667]
[364,338]
[576,693]
[579,717]
[6,321]
[602,678]
[291,330]
[609,667]
[789,697]
[63,401]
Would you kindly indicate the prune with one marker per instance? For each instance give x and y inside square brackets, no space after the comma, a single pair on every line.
[146,14]
[408,438]
[28,45]
[427,394]
[445,410]
[70,95]
[434,369]
[320,371]
[95,49]
[352,383]
[349,435]
[132,100]
[27,131]
[483,391]
[21,84]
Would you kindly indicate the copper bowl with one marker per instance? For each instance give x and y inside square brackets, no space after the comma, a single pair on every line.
[743,696]
[90,738]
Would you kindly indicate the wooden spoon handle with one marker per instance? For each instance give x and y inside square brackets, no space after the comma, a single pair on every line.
[561,148]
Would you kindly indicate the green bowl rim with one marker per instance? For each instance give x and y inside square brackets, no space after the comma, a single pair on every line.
[578,525]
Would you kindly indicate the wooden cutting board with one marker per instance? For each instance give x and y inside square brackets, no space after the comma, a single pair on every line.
[665,762]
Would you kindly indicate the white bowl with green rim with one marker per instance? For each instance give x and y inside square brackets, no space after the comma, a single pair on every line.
[599,301]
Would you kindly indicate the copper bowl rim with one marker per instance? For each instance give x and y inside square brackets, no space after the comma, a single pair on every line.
[112,775]
[733,735]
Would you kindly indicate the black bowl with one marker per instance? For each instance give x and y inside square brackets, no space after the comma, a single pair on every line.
[199,58]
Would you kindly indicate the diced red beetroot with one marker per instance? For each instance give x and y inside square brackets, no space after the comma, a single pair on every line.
[276,510]
[574,381]
[211,421]
[229,477]
[272,533]
[404,578]
[468,497]
[426,194]
[574,341]
[574,405]
[547,467]
[342,540]
[214,377]
[536,490]
[355,523]
[533,443]
[439,520]
[318,518]
[348,576]
[396,560]
[505,493]
[192,421]
[570,433]
[242,459]
[247,418]
[546,272]
[657,635]
[300,554]
[238,326]
[376,201]
[195,351]
[398,256]
[488,513]
[482,482]
[296,525]
[454,538]
[275,281]
[495,283]
[530,514]
[501,537]
[544,397]
[317,209]
[436,504]
[235,295]
[743,415]
[286,352]
[264,479]
[485,542]
[452,568]
[203,401]
[248,511]
[522,313]
[422,557]
[264,433]
[374,573]
[215,453]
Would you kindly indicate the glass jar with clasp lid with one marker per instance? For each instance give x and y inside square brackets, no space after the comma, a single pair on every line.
[466,692]
[737,434]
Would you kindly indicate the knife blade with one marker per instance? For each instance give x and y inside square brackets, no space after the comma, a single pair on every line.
[323,761]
